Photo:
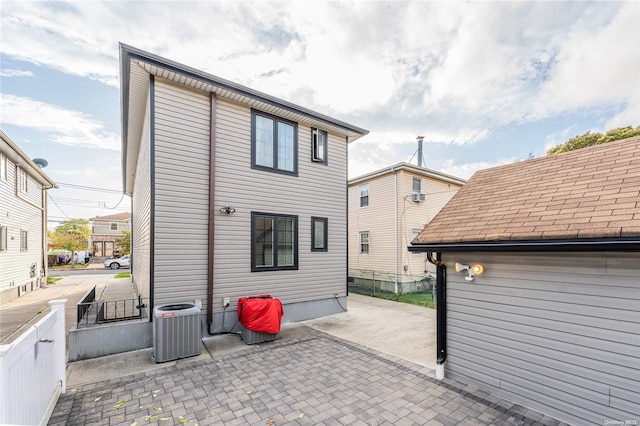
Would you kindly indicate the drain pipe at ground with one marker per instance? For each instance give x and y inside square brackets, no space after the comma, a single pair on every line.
[441,313]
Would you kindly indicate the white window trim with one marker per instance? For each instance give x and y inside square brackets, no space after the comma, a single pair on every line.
[414,234]
[421,185]
[4,168]
[3,238]
[23,181]
[361,194]
[361,234]
[24,243]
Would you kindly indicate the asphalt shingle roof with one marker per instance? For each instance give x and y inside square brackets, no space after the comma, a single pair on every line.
[588,193]
[117,216]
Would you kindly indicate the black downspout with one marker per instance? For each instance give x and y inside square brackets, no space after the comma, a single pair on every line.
[441,311]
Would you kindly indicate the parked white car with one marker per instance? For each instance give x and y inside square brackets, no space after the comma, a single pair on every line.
[121,262]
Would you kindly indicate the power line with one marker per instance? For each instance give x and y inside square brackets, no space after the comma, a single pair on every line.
[116,206]
[54,202]
[89,188]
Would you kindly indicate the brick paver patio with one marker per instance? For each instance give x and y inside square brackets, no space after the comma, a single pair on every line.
[317,380]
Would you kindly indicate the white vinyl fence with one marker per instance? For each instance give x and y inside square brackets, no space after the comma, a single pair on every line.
[33,371]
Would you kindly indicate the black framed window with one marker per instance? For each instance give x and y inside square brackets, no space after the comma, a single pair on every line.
[364,195]
[274,242]
[274,144]
[319,234]
[319,142]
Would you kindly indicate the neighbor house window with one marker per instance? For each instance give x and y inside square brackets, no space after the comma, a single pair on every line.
[274,242]
[23,240]
[319,233]
[274,144]
[414,234]
[364,242]
[3,238]
[318,146]
[3,167]
[114,226]
[364,195]
[417,185]
[24,181]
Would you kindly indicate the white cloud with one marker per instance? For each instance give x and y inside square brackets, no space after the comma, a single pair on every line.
[596,66]
[15,73]
[60,125]
[453,72]
[465,170]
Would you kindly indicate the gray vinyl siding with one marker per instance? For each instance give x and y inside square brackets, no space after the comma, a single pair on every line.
[141,221]
[182,139]
[318,190]
[558,333]
[20,211]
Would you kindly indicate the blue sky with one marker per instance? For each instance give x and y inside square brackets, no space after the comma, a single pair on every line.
[486,83]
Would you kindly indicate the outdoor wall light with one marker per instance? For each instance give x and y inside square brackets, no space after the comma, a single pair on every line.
[227,210]
[473,270]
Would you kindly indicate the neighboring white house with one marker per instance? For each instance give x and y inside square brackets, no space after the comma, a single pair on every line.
[387,209]
[23,221]
[553,321]
[234,193]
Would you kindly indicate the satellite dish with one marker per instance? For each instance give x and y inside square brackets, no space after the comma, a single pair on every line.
[41,162]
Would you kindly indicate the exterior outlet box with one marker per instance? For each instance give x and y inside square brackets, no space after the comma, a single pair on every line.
[226,302]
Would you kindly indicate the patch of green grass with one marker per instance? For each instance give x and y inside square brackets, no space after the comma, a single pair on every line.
[123,275]
[425,300]
[53,280]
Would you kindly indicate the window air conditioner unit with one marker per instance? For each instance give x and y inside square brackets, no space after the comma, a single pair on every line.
[418,198]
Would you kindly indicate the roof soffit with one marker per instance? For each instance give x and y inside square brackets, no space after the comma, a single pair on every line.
[265,105]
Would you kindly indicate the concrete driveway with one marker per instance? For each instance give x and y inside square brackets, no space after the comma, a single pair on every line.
[406,331]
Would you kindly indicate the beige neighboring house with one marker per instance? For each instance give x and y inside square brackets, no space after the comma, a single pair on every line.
[23,221]
[388,208]
[105,231]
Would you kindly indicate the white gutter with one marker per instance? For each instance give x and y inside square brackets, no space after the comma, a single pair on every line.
[395,213]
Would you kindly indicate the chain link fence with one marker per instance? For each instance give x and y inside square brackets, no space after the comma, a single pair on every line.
[417,290]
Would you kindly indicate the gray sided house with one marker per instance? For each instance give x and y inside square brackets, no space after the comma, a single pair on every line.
[234,193]
[23,222]
[553,321]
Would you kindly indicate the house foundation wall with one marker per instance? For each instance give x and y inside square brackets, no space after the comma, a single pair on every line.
[293,312]
[109,339]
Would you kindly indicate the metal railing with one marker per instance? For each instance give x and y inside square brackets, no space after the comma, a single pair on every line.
[105,311]
[84,304]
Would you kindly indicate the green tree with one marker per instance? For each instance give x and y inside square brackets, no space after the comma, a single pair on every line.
[125,241]
[590,139]
[72,235]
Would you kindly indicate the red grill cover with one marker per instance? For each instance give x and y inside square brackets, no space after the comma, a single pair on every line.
[260,313]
